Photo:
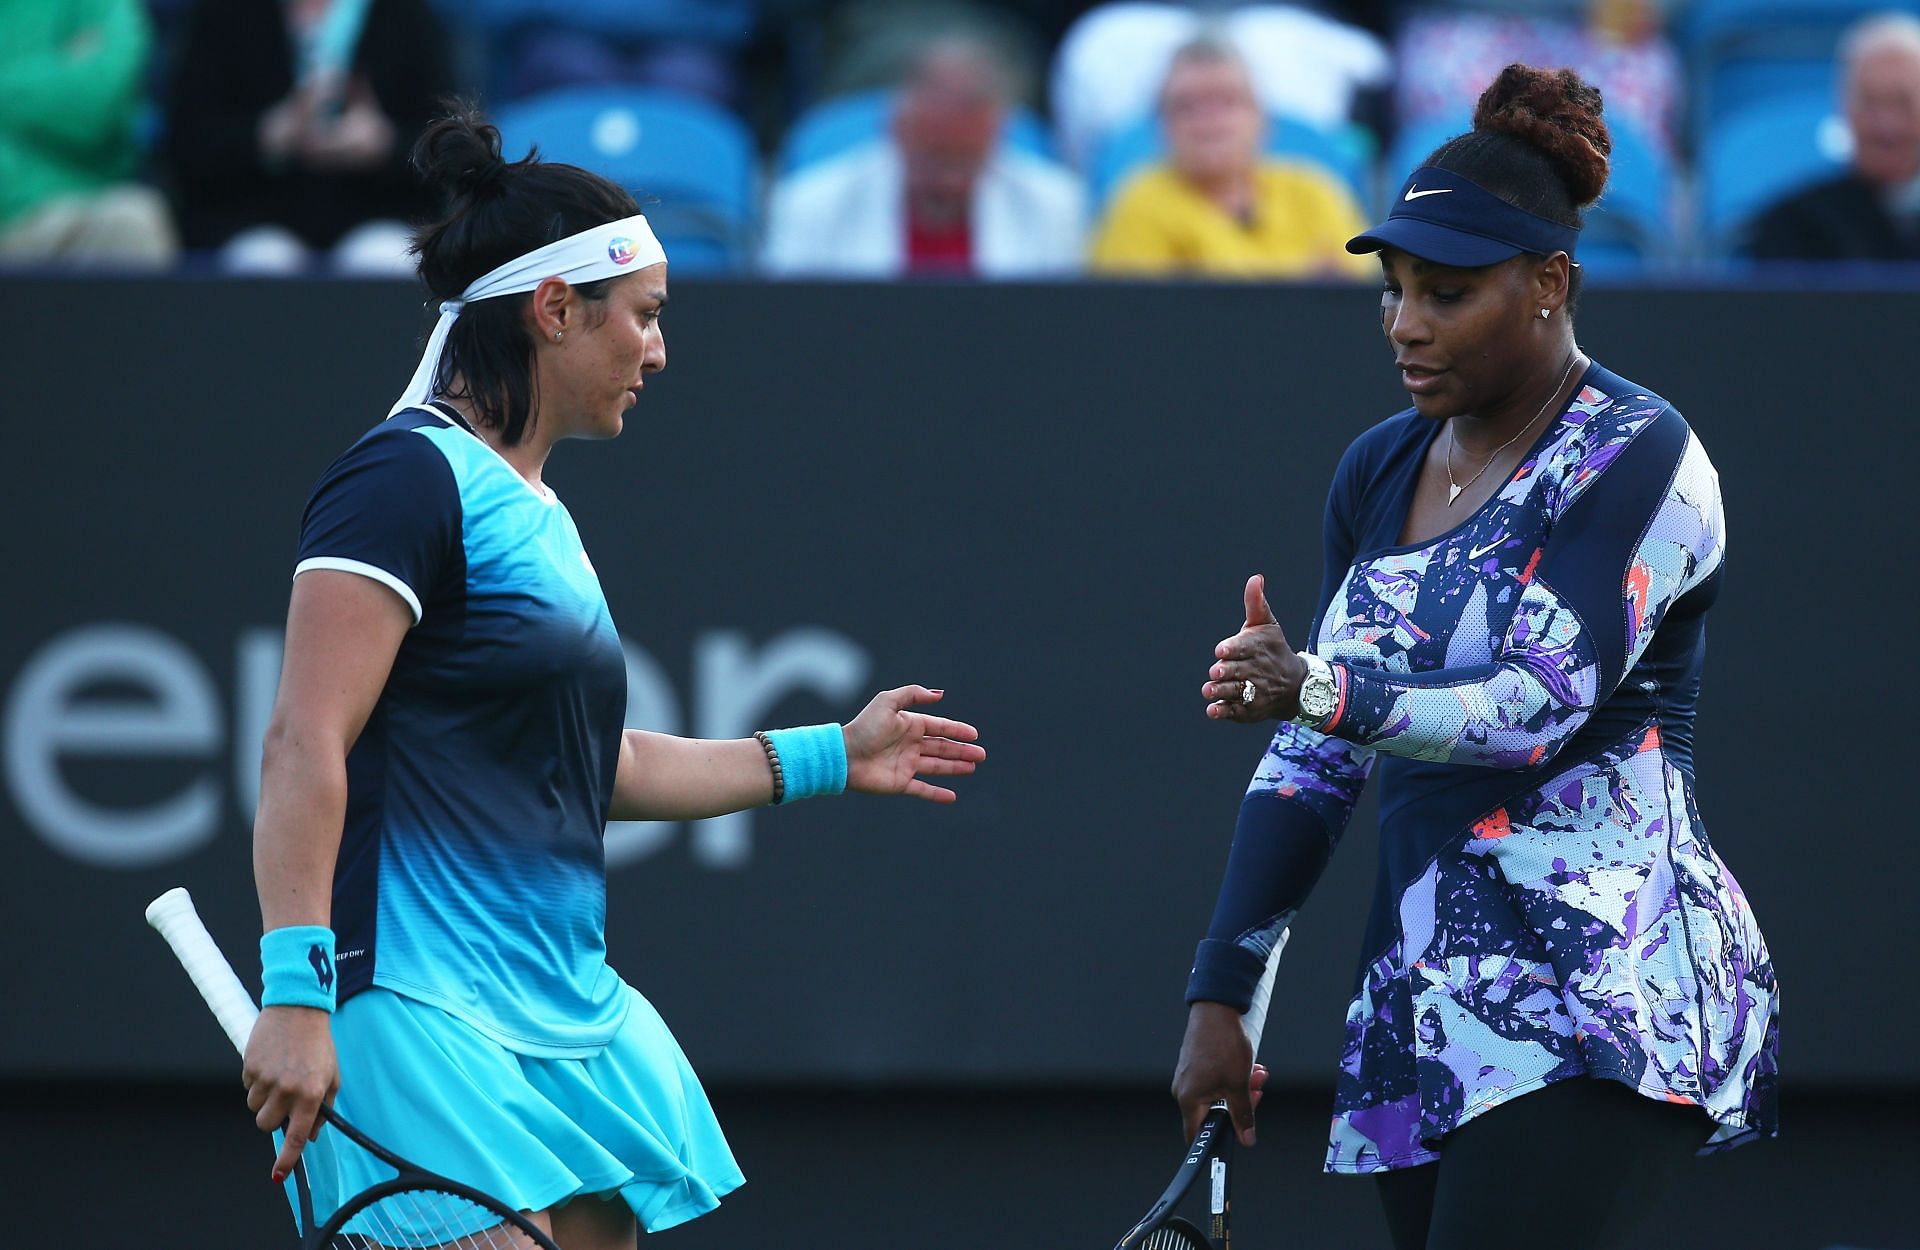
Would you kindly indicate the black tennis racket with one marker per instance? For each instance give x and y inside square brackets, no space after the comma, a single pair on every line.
[1208,1159]
[1160,1228]
[412,1210]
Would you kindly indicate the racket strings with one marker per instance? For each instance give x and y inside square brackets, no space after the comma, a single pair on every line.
[428,1219]
[1175,1235]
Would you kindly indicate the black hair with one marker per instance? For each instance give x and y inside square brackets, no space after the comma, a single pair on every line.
[495,210]
[1539,142]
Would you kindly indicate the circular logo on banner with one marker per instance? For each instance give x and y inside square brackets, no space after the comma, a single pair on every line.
[621,250]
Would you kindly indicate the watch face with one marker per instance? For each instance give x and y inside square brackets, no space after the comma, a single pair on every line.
[1316,696]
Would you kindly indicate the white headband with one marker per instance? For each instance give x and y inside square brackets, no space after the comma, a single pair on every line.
[602,252]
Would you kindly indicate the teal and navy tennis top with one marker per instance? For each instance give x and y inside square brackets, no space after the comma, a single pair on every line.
[471,873]
[1547,904]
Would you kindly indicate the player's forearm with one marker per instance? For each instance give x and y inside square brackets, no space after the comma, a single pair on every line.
[1510,714]
[296,832]
[1280,848]
[662,777]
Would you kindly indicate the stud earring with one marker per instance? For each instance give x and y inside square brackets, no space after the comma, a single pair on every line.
[1544,314]
[557,333]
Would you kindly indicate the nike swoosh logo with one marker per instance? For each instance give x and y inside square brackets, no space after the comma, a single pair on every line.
[1477,552]
[1415,195]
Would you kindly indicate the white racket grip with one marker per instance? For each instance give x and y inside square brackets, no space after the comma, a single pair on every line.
[172,914]
[1254,1022]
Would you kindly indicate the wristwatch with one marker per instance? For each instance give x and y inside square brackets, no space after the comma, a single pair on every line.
[1319,692]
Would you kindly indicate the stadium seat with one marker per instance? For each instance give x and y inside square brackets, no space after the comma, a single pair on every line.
[1347,153]
[1633,224]
[1707,24]
[1741,52]
[1758,155]
[1412,144]
[845,122]
[726,22]
[692,165]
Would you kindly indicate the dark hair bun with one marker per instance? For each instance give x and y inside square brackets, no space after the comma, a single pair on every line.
[460,154]
[1558,113]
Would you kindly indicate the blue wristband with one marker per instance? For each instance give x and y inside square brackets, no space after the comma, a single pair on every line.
[296,967]
[813,760]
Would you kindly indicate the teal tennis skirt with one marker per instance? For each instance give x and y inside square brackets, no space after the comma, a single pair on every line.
[630,1121]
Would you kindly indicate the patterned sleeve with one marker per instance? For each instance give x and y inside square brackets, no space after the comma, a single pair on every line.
[1637,524]
[1294,812]
[1291,819]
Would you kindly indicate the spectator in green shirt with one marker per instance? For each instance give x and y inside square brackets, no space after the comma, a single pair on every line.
[71,73]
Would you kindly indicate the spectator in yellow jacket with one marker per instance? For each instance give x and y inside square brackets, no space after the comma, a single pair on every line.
[1218,207]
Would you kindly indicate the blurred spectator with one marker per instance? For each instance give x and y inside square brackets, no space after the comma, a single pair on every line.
[289,129]
[1871,212]
[1218,207]
[71,73]
[941,195]
[1448,54]
[1112,63]
[869,44]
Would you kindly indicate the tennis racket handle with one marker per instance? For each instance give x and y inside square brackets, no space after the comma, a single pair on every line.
[173,915]
[1254,1022]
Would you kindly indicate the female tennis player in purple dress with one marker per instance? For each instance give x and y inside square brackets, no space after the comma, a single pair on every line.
[1510,633]
[447,746]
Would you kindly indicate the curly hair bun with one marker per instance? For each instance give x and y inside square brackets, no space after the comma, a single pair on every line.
[1557,112]
[460,154]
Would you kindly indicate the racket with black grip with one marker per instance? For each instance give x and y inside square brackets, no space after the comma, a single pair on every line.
[1208,1161]
[412,1209]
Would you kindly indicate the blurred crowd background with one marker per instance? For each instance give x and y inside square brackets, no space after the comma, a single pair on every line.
[895,138]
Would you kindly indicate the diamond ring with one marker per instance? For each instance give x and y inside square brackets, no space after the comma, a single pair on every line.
[1246,692]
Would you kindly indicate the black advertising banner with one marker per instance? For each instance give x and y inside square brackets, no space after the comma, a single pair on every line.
[1043,499]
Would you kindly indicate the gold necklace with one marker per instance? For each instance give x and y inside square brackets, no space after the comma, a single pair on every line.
[1454,488]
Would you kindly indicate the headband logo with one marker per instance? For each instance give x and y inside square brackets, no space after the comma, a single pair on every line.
[621,251]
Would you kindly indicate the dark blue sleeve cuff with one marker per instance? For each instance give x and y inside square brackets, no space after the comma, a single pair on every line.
[1224,972]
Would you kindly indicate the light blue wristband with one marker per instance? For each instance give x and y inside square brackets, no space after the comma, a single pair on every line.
[813,760]
[296,967]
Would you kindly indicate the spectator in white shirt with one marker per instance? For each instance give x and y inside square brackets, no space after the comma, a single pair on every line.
[941,194]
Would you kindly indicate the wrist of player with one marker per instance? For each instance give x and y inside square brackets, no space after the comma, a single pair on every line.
[808,761]
[1205,1013]
[1316,696]
[297,967]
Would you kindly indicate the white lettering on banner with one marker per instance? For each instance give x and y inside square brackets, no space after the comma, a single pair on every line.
[48,716]
[256,679]
[734,689]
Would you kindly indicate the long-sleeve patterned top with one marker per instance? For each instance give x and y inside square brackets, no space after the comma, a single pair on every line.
[1547,904]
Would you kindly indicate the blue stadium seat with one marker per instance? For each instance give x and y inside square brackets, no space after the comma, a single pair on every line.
[1412,144]
[726,22]
[693,165]
[1740,52]
[1633,224]
[843,123]
[1347,153]
[1759,154]
[1720,22]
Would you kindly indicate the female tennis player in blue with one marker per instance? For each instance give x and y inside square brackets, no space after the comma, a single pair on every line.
[447,746]
[1563,993]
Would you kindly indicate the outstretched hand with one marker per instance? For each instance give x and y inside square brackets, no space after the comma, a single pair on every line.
[889,747]
[1261,654]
